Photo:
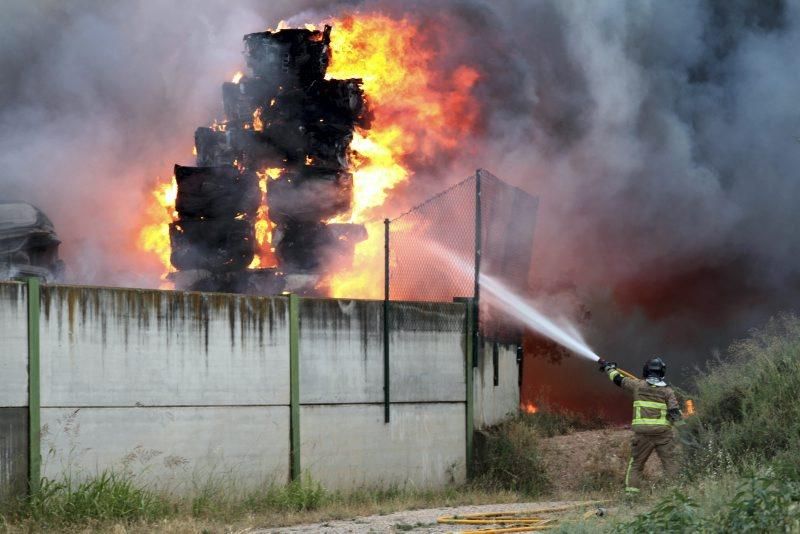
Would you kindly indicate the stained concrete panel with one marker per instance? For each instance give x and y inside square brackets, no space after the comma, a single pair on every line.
[13,344]
[173,448]
[494,404]
[127,347]
[13,452]
[350,446]
[427,352]
[341,351]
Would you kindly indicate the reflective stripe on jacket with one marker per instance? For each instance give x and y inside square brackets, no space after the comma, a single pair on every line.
[651,404]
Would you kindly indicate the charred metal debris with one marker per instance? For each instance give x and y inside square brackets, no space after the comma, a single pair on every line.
[286,117]
[28,244]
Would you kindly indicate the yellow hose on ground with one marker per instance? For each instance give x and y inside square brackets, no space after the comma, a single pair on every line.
[522,521]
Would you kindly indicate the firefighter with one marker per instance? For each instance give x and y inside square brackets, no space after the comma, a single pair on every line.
[655,411]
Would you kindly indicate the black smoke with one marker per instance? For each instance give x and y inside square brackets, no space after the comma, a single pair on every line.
[662,138]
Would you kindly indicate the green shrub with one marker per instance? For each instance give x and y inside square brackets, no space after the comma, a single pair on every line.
[674,513]
[761,503]
[747,409]
[510,459]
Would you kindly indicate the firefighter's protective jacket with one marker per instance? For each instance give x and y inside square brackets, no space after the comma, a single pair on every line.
[655,407]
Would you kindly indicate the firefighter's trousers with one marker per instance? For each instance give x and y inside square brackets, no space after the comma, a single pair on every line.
[664,443]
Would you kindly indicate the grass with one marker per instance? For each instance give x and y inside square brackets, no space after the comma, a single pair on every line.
[106,497]
[114,501]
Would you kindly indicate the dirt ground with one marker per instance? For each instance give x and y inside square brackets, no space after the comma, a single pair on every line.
[578,464]
[592,460]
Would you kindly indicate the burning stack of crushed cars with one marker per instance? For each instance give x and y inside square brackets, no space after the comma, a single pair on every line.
[288,132]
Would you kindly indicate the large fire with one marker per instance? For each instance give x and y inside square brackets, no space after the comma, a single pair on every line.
[418,111]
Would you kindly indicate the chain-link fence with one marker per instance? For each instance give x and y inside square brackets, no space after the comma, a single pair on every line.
[432,247]
[437,250]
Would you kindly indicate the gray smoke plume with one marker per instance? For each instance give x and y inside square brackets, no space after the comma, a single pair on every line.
[661,137]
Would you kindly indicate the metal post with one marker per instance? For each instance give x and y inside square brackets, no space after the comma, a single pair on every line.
[478,251]
[34,393]
[386,370]
[495,364]
[469,375]
[294,388]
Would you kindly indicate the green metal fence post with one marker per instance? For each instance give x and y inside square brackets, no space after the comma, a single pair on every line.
[294,387]
[386,370]
[476,304]
[34,392]
[469,372]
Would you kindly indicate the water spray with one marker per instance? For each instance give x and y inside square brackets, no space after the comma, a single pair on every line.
[565,335]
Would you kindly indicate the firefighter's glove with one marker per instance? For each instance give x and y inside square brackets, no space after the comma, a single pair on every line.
[607,366]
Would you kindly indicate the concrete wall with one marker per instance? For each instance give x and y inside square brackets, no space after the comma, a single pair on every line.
[13,452]
[349,445]
[174,448]
[427,343]
[495,403]
[13,389]
[341,352]
[179,387]
[175,386]
[13,345]
[127,347]
[344,439]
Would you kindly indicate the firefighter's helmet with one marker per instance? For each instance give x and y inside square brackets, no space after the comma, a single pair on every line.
[654,368]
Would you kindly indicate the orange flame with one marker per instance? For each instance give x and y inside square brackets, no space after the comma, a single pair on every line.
[528,407]
[154,237]
[258,124]
[265,256]
[689,407]
[237,77]
[417,111]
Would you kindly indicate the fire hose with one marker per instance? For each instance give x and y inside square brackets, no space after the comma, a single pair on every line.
[522,521]
[623,372]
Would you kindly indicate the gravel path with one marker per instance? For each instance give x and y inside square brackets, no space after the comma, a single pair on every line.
[415,521]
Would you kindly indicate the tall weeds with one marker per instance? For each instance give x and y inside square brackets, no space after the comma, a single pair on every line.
[509,459]
[109,496]
[749,404]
